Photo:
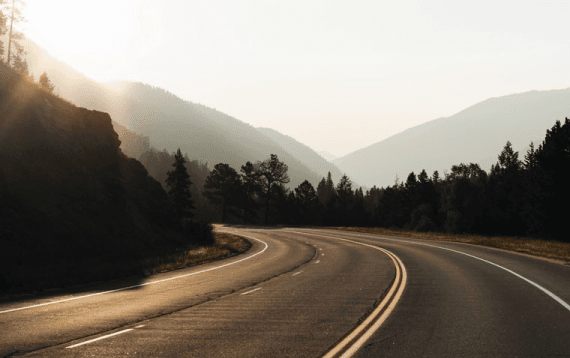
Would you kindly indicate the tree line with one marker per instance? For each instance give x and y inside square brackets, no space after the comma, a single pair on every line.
[519,196]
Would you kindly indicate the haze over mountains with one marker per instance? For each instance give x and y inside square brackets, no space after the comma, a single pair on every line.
[67,191]
[170,122]
[328,156]
[307,155]
[476,134]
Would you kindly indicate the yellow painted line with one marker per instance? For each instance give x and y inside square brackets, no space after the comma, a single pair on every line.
[391,300]
[549,293]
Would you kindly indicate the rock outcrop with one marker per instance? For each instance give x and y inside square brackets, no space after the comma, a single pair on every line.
[67,192]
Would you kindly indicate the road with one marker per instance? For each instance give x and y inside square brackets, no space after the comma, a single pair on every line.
[310,293]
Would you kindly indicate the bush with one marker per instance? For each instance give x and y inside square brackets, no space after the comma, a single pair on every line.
[425,224]
[453,222]
[199,233]
[424,210]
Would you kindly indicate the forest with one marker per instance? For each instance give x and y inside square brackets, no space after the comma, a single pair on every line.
[519,196]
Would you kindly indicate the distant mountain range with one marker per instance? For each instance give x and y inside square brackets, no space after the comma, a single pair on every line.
[307,155]
[474,135]
[152,115]
[69,199]
[328,156]
[168,122]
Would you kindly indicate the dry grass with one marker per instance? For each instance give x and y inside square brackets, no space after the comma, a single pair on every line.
[226,245]
[542,248]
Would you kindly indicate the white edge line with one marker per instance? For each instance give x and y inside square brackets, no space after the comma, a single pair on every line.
[245,293]
[295,274]
[143,284]
[549,293]
[99,338]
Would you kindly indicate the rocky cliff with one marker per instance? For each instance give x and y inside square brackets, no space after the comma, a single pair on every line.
[67,192]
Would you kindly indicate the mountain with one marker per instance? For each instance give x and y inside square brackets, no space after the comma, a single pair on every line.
[308,156]
[204,133]
[328,156]
[476,134]
[67,191]
[168,121]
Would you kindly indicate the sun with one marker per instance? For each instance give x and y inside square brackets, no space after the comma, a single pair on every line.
[101,27]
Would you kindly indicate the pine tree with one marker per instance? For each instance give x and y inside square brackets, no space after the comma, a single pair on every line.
[507,191]
[321,191]
[14,38]
[4,11]
[19,63]
[553,167]
[330,188]
[222,188]
[250,189]
[344,190]
[46,83]
[178,183]
[307,202]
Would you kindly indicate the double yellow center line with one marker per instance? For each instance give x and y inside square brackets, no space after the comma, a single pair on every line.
[355,339]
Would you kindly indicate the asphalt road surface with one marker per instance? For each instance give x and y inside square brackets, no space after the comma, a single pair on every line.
[310,293]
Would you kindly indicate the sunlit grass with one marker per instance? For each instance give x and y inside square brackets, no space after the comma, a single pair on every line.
[225,245]
[548,249]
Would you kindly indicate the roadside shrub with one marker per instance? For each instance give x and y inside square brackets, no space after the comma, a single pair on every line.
[453,222]
[199,233]
[425,224]
[422,218]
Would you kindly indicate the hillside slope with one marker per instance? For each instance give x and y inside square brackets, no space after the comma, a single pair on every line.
[476,134]
[67,190]
[307,155]
[169,122]
[204,133]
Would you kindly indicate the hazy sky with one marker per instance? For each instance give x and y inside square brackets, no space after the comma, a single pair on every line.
[335,75]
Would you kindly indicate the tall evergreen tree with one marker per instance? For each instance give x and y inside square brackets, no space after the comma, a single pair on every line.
[19,63]
[3,27]
[371,201]
[505,185]
[251,188]
[330,192]
[321,191]
[222,188]
[343,202]
[45,83]
[178,183]
[344,191]
[15,36]
[462,204]
[307,202]
[553,172]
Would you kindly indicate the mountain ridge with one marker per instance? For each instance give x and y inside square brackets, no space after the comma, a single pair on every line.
[305,153]
[475,134]
[168,121]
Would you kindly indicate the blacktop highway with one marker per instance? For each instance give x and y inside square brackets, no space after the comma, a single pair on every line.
[310,293]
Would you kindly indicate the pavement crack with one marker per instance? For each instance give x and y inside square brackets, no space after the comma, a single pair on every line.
[378,342]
